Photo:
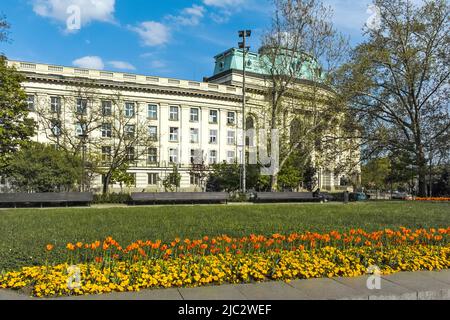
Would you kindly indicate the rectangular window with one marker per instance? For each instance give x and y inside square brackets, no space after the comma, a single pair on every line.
[153,133]
[106,154]
[231,118]
[153,179]
[129,110]
[194,135]
[231,138]
[106,108]
[106,130]
[212,157]
[231,157]
[131,155]
[55,104]
[152,155]
[152,112]
[173,134]
[173,113]
[129,131]
[213,136]
[56,127]
[194,114]
[82,106]
[173,155]
[80,129]
[30,102]
[213,116]
[195,179]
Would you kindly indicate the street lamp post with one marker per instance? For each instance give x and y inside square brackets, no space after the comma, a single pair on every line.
[83,138]
[244,34]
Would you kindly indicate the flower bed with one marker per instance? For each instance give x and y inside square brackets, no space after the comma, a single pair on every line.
[106,266]
[433,199]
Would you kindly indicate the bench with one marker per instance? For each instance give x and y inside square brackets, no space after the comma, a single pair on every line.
[179,197]
[287,197]
[41,199]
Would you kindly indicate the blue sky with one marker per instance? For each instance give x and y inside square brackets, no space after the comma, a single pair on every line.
[169,38]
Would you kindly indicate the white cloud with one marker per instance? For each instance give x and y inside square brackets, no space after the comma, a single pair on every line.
[62,10]
[158,64]
[223,3]
[152,33]
[123,65]
[189,16]
[89,62]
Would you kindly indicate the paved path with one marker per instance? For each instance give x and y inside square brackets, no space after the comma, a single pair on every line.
[422,285]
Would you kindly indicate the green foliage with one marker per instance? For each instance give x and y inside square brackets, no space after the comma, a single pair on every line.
[42,168]
[15,127]
[172,181]
[375,174]
[113,198]
[227,177]
[122,177]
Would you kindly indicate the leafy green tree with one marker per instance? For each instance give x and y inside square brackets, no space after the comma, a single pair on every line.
[41,168]
[15,126]
[172,181]
[227,177]
[375,174]
[122,177]
[398,82]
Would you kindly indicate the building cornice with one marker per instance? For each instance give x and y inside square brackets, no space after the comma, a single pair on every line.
[133,82]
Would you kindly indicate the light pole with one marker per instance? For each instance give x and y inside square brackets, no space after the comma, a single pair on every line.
[83,138]
[244,34]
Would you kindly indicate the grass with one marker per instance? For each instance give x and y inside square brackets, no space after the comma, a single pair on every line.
[25,232]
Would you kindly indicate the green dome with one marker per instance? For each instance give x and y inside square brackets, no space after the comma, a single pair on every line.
[232,60]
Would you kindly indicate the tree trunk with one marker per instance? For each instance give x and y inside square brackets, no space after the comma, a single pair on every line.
[422,172]
[106,183]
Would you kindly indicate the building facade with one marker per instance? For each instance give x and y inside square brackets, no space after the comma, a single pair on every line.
[102,110]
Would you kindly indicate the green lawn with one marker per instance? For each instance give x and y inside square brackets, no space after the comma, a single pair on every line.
[25,232]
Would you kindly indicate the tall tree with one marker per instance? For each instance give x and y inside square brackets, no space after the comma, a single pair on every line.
[15,126]
[300,54]
[398,82]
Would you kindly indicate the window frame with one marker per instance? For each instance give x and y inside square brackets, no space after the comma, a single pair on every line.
[196,116]
[106,128]
[215,136]
[174,134]
[177,113]
[211,117]
[211,157]
[128,104]
[231,123]
[149,112]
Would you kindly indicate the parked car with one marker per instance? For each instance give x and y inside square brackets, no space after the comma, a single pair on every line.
[400,196]
[358,196]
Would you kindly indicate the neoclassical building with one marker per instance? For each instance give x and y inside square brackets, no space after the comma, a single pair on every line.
[176,117]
